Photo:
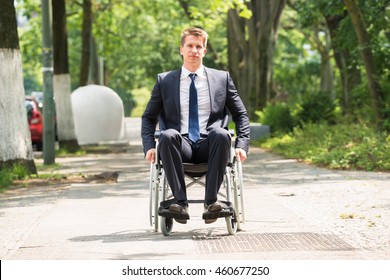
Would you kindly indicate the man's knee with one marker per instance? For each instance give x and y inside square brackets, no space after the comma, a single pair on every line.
[169,135]
[219,134]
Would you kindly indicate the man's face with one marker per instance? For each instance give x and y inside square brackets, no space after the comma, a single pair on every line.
[193,50]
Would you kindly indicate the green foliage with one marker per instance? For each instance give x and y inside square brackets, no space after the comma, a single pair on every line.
[360,103]
[336,146]
[30,41]
[277,116]
[9,174]
[296,69]
[315,108]
[386,109]
[138,39]
[141,97]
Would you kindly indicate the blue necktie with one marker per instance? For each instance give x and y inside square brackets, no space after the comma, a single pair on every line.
[193,119]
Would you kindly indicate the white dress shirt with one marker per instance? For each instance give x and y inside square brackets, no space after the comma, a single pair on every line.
[202,88]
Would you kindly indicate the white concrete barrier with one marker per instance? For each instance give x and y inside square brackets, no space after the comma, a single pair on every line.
[98,115]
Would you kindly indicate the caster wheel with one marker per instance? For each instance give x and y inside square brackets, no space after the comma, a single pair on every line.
[231,224]
[166,225]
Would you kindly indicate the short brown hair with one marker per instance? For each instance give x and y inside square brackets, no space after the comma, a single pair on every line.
[195,31]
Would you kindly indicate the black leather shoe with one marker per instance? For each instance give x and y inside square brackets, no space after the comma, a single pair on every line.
[214,211]
[180,213]
[215,207]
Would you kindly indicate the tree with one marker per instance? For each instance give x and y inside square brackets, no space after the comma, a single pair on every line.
[254,40]
[61,79]
[139,39]
[349,73]
[310,22]
[86,42]
[377,94]
[15,144]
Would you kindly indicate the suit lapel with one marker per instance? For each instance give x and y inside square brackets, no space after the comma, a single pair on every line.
[175,89]
[211,83]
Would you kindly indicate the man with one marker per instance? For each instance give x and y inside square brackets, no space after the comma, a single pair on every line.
[194,132]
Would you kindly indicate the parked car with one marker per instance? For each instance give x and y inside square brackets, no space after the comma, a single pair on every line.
[38,95]
[35,121]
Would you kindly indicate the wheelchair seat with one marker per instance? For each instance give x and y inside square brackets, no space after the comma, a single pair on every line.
[195,169]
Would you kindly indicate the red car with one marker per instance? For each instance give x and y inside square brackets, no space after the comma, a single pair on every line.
[35,121]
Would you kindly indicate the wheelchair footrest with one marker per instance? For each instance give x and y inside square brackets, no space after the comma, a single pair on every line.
[163,211]
[173,215]
[225,212]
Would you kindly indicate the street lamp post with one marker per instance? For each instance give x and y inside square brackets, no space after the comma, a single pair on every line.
[48,101]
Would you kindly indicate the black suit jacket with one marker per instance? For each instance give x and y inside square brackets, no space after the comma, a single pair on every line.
[164,106]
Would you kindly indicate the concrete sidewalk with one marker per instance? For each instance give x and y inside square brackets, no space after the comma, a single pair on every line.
[293,211]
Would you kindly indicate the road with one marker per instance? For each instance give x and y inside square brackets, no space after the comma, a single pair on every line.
[293,211]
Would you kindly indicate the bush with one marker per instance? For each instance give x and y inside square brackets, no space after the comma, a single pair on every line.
[386,109]
[9,174]
[278,117]
[316,108]
[5,178]
[336,146]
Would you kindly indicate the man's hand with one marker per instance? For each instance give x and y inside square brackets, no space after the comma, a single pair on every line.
[240,154]
[151,155]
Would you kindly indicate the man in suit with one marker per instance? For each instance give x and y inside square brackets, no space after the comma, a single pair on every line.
[210,141]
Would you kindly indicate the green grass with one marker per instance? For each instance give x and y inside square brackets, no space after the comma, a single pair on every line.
[352,147]
[67,153]
[9,174]
[47,168]
[18,172]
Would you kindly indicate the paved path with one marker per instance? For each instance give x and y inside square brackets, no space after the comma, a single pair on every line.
[293,211]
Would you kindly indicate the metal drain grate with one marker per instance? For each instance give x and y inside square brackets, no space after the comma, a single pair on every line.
[297,241]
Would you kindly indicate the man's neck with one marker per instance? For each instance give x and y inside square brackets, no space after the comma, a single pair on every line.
[193,68]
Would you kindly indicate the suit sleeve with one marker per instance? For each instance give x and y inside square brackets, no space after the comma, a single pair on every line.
[239,115]
[150,117]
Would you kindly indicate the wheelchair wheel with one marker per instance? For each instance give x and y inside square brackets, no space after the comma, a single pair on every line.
[166,225]
[153,192]
[231,224]
[239,195]
[157,182]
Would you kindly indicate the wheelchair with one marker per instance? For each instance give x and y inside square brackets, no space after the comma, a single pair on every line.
[231,190]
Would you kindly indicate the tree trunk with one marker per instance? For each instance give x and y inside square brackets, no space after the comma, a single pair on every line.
[237,48]
[326,71]
[349,73]
[375,89]
[86,41]
[15,141]
[94,69]
[61,80]
[256,53]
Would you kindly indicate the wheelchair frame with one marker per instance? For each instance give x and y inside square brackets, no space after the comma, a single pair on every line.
[232,184]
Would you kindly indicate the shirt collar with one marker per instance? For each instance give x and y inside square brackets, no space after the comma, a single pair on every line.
[200,72]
